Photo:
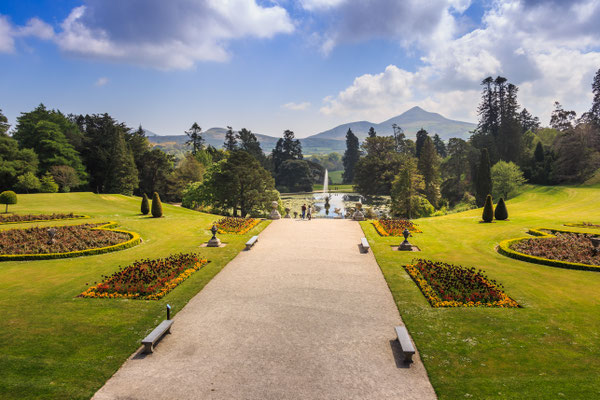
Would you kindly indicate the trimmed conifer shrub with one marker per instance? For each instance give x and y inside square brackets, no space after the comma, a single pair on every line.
[8,197]
[145,204]
[501,213]
[488,209]
[157,211]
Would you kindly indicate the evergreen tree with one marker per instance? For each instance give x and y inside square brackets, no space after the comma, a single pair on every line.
[351,157]
[488,209]
[538,154]
[294,176]
[14,162]
[122,175]
[421,136]
[595,110]
[196,141]
[528,122]
[4,125]
[510,134]
[374,173]
[440,146]
[483,185]
[405,190]
[145,208]
[138,144]
[249,143]
[157,209]
[428,166]
[562,119]
[287,148]
[230,140]
[372,132]
[488,109]
[154,176]
[456,170]
[501,213]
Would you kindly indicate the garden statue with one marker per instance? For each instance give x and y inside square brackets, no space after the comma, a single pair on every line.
[295,214]
[51,234]
[287,213]
[274,213]
[214,241]
[405,246]
[358,215]
[595,242]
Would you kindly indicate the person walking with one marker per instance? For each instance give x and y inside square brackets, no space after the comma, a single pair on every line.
[309,212]
[303,210]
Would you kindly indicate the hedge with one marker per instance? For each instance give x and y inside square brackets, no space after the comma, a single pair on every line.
[505,248]
[45,220]
[134,240]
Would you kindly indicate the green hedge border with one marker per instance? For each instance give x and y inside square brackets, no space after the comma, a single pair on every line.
[134,240]
[505,248]
[582,226]
[45,220]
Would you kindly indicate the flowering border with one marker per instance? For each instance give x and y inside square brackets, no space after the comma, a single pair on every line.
[172,284]
[254,223]
[45,220]
[505,248]
[134,240]
[382,232]
[436,302]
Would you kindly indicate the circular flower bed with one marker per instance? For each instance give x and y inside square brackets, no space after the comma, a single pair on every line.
[21,218]
[563,246]
[394,227]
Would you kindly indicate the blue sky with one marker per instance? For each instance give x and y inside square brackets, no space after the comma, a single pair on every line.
[304,65]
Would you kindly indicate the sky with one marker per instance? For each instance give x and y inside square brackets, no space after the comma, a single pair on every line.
[304,65]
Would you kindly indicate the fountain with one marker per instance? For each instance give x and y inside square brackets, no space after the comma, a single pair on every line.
[326,182]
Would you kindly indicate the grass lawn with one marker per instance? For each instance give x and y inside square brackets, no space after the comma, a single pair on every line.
[548,349]
[336,177]
[55,345]
[336,188]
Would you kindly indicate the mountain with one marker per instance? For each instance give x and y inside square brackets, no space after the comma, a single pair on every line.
[410,121]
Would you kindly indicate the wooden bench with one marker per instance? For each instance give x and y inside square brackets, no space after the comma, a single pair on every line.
[156,334]
[407,347]
[365,245]
[251,242]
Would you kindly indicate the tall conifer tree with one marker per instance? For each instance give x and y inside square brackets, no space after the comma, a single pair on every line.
[483,185]
[351,156]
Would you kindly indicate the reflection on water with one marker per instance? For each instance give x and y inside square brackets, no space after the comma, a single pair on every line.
[337,205]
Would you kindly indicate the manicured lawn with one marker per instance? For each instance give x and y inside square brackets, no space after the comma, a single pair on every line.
[548,349]
[336,188]
[55,345]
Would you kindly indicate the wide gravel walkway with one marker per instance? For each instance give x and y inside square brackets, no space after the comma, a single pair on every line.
[303,315]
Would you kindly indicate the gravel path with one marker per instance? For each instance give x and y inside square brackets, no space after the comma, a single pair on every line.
[303,315]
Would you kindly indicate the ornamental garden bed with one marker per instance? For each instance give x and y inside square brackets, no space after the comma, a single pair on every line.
[394,227]
[147,279]
[22,218]
[235,225]
[570,247]
[447,285]
[585,225]
[69,241]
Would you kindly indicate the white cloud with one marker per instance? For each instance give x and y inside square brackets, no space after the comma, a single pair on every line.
[551,50]
[167,35]
[296,106]
[34,28]
[37,28]
[7,43]
[101,81]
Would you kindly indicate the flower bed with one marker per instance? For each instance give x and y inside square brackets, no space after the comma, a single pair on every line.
[147,279]
[553,247]
[447,285]
[236,226]
[585,225]
[394,227]
[70,241]
[22,218]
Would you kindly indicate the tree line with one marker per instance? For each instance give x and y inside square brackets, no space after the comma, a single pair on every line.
[508,148]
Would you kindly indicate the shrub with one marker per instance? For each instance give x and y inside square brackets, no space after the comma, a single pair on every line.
[488,209]
[145,205]
[157,210]
[8,197]
[501,213]
[47,184]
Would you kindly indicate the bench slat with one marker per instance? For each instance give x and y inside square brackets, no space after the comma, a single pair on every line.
[251,242]
[157,333]
[407,347]
[365,244]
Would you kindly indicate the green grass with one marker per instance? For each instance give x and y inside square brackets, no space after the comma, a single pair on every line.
[336,188]
[55,345]
[548,349]
[336,177]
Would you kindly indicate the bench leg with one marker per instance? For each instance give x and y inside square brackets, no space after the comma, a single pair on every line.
[148,348]
[408,357]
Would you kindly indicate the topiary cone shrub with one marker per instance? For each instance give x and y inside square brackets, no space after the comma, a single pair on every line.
[8,197]
[156,206]
[488,209]
[501,213]
[145,205]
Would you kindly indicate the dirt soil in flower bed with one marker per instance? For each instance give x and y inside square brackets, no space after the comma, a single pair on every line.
[447,285]
[68,238]
[571,247]
[6,218]
[147,279]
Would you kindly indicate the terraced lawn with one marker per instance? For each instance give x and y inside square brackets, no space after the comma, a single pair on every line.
[55,345]
[549,349]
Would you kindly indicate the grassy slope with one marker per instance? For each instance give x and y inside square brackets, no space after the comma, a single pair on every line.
[548,349]
[54,345]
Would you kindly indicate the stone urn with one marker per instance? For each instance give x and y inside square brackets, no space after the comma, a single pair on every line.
[358,215]
[214,241]
[287,213]
[274,213]
[405,245]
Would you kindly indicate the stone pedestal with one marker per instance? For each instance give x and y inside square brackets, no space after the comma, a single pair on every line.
[287,213]
[358,216]
[274,213]
[405,246]
[214,242]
